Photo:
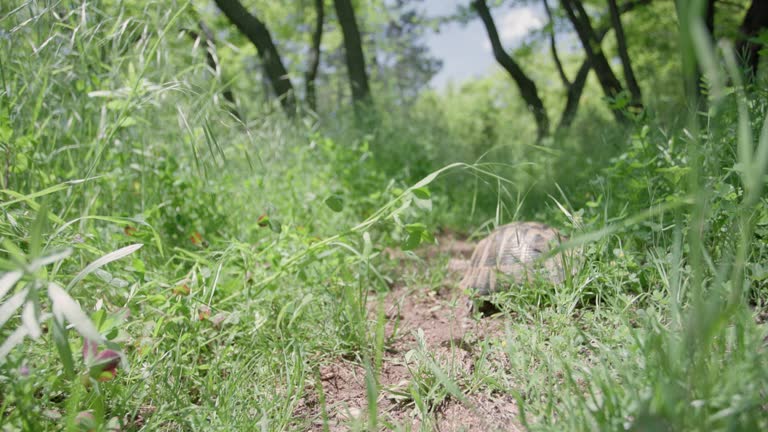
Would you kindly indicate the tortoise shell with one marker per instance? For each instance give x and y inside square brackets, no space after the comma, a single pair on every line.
[513,250]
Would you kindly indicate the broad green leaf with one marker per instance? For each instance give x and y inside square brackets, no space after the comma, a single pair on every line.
[275,225]
[422,193]
[106,259]
[416,227]
[412,241]
[335,203]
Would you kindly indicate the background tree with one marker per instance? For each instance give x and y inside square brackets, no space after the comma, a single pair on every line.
[205,38]
[755,22]
[403,60]
[575,88]
[527,87]
[314,55]
[621,40]
[353,50]
[256,31]
[608,81]
[687,12]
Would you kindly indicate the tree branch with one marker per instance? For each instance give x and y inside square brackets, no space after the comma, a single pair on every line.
[608,81]
[621,42]
[576,88]
[259,35]
[527,87]
[553,47]
[314,55]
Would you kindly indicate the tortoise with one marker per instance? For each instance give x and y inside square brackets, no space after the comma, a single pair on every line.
[514,250]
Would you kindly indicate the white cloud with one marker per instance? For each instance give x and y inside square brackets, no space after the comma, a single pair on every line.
[515,24]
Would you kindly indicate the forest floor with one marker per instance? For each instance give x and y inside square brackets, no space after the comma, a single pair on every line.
[420,321]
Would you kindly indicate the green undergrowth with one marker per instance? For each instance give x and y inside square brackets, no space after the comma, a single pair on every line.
[225,261]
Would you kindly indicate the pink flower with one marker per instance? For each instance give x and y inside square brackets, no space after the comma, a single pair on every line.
[102,365]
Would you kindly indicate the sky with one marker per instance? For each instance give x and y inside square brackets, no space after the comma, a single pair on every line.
[465,50]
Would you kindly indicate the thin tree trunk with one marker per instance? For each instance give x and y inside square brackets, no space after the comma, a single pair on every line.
[576,88]
[314,55]
[527,87]
[608,81]
[574,96]
[755,20]
[553,46]
[621,41]
[353,50]
[701,86]
[256,32]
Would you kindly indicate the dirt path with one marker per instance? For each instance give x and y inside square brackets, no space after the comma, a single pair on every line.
[432,327]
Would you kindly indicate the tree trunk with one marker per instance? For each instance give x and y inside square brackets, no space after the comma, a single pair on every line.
[259,35]
[314,55]
[755,21]
[553,47]
[527,87]
[353,49]
[576,88]
[608,81]
[574,96]
[621,42]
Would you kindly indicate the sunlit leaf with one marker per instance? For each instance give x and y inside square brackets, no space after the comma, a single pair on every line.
[49,259]
[106,259]
[422,193]
[9,306]
[13,339]
[65,307]
[367,244]
[29,319]
[8,280]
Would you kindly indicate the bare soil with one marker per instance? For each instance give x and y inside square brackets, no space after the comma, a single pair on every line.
[450,337]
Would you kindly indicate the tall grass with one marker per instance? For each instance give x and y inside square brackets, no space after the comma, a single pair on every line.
[262,243]
[692,355]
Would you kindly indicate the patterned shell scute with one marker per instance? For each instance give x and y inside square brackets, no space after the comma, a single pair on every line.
[512,249]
